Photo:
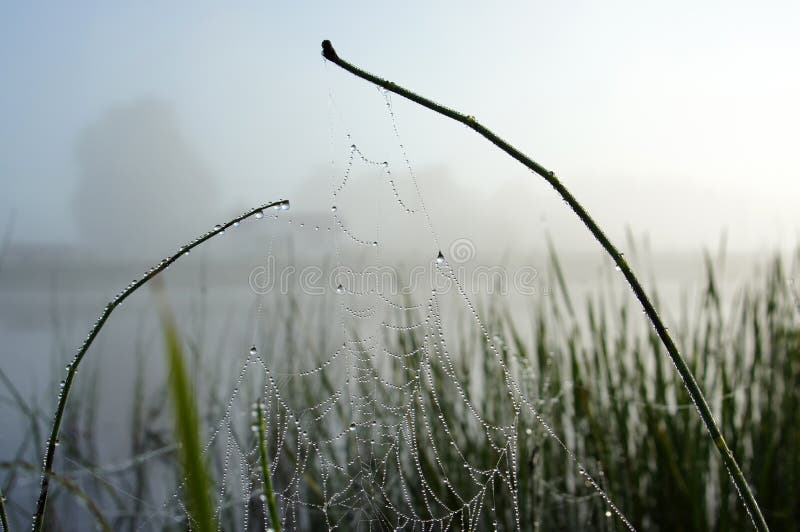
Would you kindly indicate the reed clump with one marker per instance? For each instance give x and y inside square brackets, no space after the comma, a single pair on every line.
[590,369]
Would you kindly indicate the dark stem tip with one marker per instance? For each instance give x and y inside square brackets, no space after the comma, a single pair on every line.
[328,52]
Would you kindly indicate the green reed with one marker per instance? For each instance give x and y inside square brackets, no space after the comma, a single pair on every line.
[187,430]
[593,369]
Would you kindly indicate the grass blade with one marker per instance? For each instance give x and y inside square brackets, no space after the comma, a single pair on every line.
[269,494]
[187,429]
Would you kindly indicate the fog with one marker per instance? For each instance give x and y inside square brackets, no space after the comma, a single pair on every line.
[678,121]
[138,176]
[129,130]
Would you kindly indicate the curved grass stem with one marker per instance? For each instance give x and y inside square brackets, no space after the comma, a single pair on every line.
[72,368]
[745,494]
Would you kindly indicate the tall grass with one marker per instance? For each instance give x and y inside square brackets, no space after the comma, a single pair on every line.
[638,424]
[591,369]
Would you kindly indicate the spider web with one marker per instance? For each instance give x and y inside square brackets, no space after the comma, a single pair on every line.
[377,417]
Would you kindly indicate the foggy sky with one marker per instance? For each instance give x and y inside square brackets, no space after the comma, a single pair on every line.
[678,121]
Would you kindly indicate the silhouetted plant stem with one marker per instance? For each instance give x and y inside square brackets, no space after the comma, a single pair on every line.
[269,494]
[72,368]
[3,517]
[692,387]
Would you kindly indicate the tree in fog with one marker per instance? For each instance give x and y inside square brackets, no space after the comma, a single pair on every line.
[141,187]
